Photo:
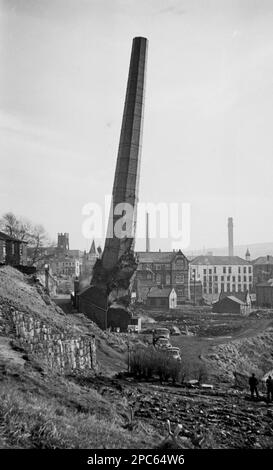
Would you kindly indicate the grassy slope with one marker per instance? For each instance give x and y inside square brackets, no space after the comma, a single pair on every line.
[38,409]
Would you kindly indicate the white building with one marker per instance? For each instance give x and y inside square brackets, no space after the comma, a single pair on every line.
[228,274]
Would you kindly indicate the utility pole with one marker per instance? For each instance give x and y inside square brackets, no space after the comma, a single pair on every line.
[47,278]
[106,319]
[129,359]
[194,278]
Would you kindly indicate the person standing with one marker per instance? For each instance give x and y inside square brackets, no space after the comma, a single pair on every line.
[253,385]
[269,388]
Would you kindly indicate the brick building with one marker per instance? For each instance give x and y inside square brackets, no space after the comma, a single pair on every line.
[162,297]
[12,251]
[167,270]
[262,269]
[264,294]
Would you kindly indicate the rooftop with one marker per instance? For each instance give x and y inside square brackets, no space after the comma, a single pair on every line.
[4,236]
[158,292]
[263,260]
[219,260]
[158,256]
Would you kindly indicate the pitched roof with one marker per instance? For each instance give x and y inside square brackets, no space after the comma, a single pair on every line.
[92,250]
[263,260]
[230,297]
[4,236]
[158,256]
[235,299]
[268,283]
[219,260]
[157,292]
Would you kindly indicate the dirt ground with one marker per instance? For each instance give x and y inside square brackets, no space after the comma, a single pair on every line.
[223,342]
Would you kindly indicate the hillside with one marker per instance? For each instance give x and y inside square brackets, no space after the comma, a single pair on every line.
[256,250]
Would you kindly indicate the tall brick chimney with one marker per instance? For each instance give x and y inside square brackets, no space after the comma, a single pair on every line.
[230,237]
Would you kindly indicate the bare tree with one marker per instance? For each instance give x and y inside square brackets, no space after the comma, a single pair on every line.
[38,240]
[23,229]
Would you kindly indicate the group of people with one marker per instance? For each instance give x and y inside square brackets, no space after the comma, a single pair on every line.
[253,385]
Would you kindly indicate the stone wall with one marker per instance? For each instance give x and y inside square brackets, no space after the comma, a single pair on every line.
[62,351]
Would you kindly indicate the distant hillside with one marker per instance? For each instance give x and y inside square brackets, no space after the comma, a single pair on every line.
[256,250]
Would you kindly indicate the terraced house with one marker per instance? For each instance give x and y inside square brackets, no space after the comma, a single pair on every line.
[228,274]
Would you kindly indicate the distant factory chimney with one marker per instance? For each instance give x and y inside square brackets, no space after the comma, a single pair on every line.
[247,256]
[147,233]
[230,237]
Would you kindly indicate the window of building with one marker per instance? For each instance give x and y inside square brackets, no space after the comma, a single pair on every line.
[239,269]
[222,278]
[233,287]
[205,289]
[204,271]
[168,279]
[158,279]
[245,287]
[229,270]
[228,287]
[216,278]
[12,249]
[249,269]
[239,278]
[244,270]
[216,289]
[158,267]
[179,278]
[228,278]
[210,271]
[250,278]
[180,262]
[210,290]
[180,292]
[222,286]
[239,288]
[244,278]
[214,270]
[224,270]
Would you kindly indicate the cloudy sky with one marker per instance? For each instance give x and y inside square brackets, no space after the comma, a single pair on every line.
[207,138]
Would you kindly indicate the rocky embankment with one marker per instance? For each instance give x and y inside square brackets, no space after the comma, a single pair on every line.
[243,356]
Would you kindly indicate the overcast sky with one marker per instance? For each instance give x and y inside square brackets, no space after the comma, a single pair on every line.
[207,137]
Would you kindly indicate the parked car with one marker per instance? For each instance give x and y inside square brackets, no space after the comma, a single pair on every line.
[174,353]
[161,333]
[174,330]
[162,343]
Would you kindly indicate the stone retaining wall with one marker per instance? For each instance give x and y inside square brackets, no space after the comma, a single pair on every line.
[62,351]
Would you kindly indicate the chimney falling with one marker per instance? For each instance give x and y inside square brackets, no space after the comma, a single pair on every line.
[230,237]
